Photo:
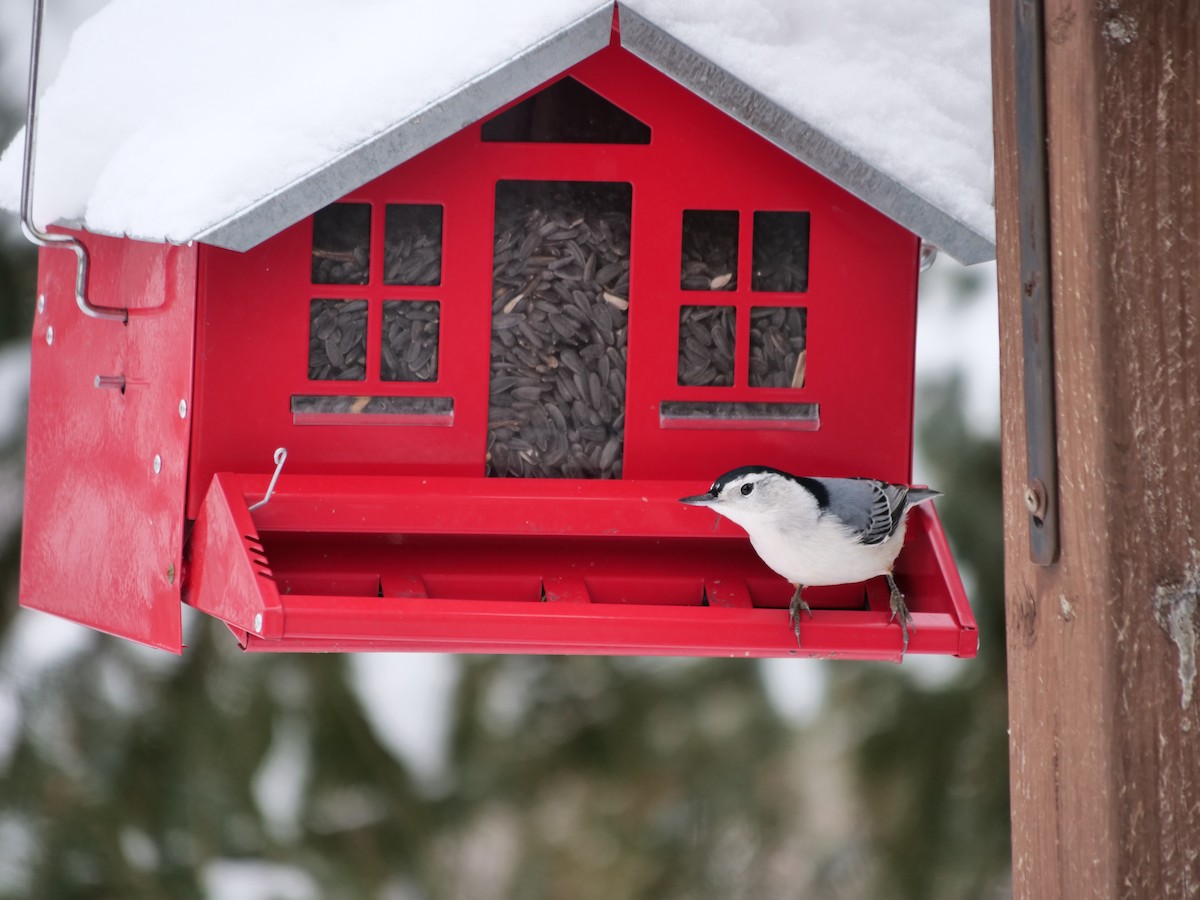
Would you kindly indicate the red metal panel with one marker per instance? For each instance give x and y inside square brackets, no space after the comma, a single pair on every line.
[103,530]
[445,625]
[861,301]
[230,576]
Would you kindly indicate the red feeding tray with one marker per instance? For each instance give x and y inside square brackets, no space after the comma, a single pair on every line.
[449,564]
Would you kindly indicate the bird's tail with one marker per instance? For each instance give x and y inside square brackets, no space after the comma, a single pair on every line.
[917,496]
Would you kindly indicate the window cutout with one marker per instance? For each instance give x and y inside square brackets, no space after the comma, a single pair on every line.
[412,244]
[709,255]
[410,340]
[777,346]
[560,290]
[706,346]
[341,249]
[566,112]
[723,415]
[337,340]
[780,251]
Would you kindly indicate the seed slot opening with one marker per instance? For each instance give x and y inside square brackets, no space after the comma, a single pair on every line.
[731,415]
[315,409]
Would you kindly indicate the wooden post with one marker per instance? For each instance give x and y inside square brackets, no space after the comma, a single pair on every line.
[1102,646]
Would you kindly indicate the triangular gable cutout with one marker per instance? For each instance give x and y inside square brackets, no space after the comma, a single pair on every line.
[566,112]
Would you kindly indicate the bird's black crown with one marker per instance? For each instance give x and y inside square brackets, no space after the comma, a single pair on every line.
[811,485]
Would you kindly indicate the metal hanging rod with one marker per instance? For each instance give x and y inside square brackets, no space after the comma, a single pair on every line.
[32,232]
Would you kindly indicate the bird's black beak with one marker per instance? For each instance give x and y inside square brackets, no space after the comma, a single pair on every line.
[699,499]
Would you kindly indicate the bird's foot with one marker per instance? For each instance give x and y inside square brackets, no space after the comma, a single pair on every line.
[900,611]
[796,607]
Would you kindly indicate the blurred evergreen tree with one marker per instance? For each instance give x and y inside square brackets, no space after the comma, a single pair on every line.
[932,761]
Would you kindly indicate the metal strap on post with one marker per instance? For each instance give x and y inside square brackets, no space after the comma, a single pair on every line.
[36,235]
[1041,443]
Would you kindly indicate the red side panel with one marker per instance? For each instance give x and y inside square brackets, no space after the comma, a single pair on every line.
[103,535]
[229,571]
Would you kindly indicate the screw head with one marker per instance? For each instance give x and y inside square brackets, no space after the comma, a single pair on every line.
[258,623]
[41,306]
[50,334]
[157,463]
[183,409]
[1035,498]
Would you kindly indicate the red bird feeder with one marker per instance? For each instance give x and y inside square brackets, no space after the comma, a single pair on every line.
[495,365]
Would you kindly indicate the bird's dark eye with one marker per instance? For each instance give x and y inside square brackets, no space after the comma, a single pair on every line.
[746,489]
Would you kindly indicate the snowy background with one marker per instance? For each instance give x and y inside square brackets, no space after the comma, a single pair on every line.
[957,352]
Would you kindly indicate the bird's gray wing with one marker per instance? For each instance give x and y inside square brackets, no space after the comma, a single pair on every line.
[872,509]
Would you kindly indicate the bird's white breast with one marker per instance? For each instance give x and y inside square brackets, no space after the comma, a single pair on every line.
[826,553]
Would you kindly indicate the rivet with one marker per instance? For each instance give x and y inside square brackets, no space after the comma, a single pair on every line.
[49,334]
[258,623]
[183,409]
[171,573]
[41,303]
[157,463]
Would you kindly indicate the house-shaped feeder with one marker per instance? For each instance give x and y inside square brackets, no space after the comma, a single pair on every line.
[498,341]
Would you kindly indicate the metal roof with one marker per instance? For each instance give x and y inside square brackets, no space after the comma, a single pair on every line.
[552,55]
[815,149]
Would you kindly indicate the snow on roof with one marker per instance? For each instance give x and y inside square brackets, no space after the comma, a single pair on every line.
[229,120]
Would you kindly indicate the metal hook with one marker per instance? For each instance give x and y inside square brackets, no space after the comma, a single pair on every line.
[280,457]
[35,234]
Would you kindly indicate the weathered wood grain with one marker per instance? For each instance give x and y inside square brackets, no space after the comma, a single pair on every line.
[1104,696]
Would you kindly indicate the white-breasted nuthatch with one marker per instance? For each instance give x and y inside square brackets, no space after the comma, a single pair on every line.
[818,531]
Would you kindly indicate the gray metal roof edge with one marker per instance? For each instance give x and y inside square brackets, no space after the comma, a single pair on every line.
[845,168]
[405,139]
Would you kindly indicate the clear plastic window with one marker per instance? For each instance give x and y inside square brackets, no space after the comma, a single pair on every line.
[778,340]
[560,300]
[341,248]
[710,250]
[780,251]
[410,340]
[337,340]
[706,345]
[412,244]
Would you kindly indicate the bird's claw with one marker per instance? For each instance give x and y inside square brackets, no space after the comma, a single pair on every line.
[796,607]
[900,611]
